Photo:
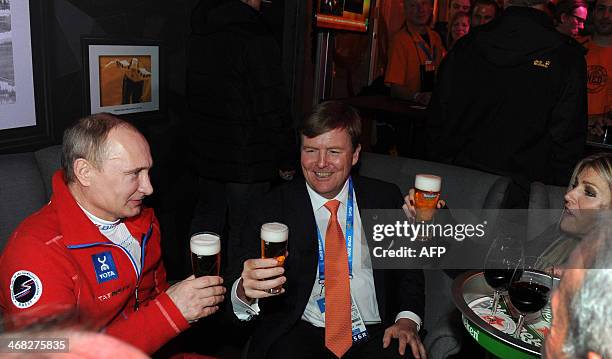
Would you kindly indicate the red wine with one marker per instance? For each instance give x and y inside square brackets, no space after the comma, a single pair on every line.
[499,279]
[528,297]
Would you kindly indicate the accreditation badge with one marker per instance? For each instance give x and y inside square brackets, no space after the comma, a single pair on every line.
[358,328]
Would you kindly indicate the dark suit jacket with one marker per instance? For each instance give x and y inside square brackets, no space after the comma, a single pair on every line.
[396,290]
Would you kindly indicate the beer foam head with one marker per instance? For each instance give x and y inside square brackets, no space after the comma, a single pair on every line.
[205,244]
[274,232]
[429,183]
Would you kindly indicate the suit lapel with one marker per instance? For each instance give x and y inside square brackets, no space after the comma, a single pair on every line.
[303,241]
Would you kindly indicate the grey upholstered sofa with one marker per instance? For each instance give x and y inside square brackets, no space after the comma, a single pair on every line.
[545,206]
[25,185]
[465,189]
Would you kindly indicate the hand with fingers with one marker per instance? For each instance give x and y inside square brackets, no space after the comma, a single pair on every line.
[423,98]
[197,297]
[286,175]
[405,330]
[409,204]
[597,124]
[258,277]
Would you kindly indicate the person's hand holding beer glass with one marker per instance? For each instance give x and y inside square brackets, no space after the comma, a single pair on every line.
[263,277]
[422,201]
[199,295]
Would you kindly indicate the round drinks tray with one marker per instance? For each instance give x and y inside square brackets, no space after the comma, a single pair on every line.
[473,297]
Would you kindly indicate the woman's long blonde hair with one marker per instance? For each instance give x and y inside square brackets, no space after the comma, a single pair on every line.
[601,163]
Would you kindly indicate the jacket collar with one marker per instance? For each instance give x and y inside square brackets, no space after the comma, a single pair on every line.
[76,228]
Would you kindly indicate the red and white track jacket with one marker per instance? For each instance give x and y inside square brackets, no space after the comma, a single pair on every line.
[57,261]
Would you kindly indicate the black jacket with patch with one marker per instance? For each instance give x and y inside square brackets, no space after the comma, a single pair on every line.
[511,99]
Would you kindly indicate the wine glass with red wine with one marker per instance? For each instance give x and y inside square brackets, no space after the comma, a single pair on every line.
[529,290]
[503,257]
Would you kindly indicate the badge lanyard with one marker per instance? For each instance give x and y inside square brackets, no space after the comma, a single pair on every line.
[427,51]
[349,236]
[430,52]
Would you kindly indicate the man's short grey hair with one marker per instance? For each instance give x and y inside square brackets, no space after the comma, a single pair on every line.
[86,139]
[590,310]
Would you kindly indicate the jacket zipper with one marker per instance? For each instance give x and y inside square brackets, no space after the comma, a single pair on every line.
[145,239]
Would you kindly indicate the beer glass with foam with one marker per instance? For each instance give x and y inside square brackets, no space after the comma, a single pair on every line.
[205,254]
[274,238]
[427,193]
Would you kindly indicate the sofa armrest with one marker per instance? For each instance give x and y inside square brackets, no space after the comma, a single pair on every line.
[445,338]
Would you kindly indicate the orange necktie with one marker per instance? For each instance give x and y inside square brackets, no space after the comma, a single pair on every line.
[338,337]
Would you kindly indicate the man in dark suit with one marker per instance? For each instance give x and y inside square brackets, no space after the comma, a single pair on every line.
[311,317]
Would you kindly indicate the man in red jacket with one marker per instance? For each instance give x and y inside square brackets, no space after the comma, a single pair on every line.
[93,251]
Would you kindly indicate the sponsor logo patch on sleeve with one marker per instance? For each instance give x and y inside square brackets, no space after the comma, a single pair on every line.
[105,267]
[26,289]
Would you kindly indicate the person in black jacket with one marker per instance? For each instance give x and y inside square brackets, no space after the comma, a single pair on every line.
[511,99]
[240,131]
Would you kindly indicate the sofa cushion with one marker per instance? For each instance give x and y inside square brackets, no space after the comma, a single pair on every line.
[49,160]
[21,191]
[545,206]
[543,196]
[462,188]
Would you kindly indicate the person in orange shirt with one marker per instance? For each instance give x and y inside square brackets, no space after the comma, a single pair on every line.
[599,68]
[415,53]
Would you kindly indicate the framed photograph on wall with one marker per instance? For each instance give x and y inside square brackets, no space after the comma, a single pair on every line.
[122,77]
[24,95]
[351,15]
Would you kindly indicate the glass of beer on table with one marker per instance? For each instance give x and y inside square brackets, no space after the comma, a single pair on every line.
[205,254]
[274,238]
[426,196]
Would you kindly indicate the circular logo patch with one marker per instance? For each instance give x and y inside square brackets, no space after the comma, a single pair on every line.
[26,289]
[597,77]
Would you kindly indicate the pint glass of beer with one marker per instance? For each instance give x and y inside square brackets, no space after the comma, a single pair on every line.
[427,193]
[274,238]
[205,254]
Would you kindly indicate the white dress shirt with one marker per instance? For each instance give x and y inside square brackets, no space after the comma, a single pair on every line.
[362,283]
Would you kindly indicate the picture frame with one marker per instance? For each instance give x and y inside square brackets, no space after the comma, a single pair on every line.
[347,15]
[25,110]
[122,77]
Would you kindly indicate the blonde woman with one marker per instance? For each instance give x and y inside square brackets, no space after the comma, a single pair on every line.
[588,198]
